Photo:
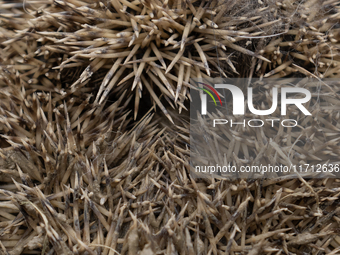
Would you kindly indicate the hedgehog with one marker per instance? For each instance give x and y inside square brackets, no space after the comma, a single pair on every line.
[88,164]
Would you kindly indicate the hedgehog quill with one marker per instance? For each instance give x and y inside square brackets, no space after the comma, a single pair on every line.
[88,164]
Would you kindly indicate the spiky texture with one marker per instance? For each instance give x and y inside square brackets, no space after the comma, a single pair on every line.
[79,176]
[157,47]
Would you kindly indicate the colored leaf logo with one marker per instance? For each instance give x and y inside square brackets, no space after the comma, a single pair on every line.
[208,92]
